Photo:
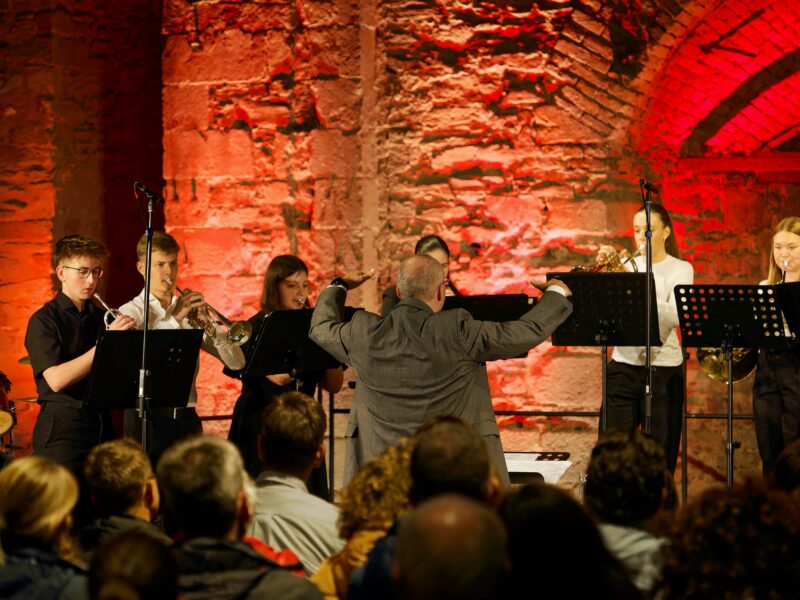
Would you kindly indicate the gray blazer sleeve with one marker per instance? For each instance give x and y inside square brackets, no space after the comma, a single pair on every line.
[485,340]
[328,328]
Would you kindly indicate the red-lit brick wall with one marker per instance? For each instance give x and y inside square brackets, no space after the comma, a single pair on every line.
[343,131]
[80,120]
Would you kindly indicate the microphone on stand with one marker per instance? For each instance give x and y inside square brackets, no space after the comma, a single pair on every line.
[646,185]
[151,195]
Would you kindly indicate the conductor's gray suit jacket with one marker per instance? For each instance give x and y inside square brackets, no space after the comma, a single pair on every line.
[414,364]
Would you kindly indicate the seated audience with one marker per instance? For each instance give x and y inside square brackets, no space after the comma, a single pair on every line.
[451,547]
[449,457]
[556,549]
[124,492]
[291,446]
[206,504]
[742,542]
[37,496]
[626,486]
[786,475]
[133,565]
[372,501]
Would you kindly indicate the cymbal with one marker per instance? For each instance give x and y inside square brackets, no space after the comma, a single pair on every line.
[25,360]
[33,399]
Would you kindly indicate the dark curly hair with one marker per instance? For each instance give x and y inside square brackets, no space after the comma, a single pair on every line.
[626,479]
[742,542]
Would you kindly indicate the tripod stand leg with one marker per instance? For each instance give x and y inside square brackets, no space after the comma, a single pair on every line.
[730,444]
[604,392]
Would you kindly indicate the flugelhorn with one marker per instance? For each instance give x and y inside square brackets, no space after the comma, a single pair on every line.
[238,331]
[111,313]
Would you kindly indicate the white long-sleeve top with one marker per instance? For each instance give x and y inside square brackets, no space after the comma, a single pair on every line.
[230,355]
[667,274]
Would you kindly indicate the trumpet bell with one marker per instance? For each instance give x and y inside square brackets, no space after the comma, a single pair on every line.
[713,363]
[239,332]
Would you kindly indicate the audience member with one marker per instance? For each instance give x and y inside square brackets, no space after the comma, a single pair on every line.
[556,548]
[370,504]
[124,492]
[626,487]
[742,542]
[205,502]
[133,565]
[449,457]
[291,446]
[451,547]
[786,475]
[37,496]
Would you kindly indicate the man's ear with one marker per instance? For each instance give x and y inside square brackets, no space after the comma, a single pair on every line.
[319,456]
[60,272]
[397,290]
[152,498]
[140,267]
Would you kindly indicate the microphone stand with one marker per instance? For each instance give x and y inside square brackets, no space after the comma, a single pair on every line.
[648,307]
[143,402]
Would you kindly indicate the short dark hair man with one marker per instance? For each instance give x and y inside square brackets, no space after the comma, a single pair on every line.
[124,492]
[291,445]
[626,485]
[60,341]
[418,361]
[206,504]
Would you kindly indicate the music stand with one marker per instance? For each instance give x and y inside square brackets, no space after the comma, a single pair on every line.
[114,378]
[789,295]
[608,310]
[282,345]
[728,317]
[498,308]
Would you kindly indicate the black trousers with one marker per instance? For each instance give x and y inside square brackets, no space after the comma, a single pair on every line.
[66,434]
[776,403]
[625,403]
[165,426]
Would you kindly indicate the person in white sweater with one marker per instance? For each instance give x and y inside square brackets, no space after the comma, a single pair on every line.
[626,371]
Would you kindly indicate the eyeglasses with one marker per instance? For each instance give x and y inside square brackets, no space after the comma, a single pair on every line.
[83,272]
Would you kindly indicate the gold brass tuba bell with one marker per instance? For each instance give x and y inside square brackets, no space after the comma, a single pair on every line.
[714,364]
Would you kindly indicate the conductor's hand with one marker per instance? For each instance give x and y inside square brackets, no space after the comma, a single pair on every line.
[355,279]
[122,322]
[554,282]
[185,303]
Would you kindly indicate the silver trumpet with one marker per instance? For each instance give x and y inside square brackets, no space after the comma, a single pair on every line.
[238,331]
[111,313]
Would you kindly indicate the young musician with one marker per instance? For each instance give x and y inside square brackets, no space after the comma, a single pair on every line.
[286,287]
[776,389]
[60,341]
[436,248]
[168,311]
[626,371]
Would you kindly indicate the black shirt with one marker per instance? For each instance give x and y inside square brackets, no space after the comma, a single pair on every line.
[57,333]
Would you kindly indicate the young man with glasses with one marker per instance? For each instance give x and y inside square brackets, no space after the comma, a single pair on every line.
[60,341]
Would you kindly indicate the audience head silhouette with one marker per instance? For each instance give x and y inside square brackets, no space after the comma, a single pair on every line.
[451,547]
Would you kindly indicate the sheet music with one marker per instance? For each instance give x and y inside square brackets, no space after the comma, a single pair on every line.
[530,462]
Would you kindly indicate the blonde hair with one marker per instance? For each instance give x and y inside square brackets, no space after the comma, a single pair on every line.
[162,242]
[378,493]
[792,225]
[36,496]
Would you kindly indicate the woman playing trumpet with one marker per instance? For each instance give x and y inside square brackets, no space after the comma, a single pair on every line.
[286,287]
[776,389]
[168,311]
[626,370]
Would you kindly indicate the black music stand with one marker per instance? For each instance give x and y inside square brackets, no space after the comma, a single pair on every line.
[728,317]
[608,310]
[498,308]
[282,345]
[789,295]
[114,378]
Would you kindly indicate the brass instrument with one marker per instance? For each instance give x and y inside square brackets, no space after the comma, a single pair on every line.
[612,263]
[111,313]
[238,331]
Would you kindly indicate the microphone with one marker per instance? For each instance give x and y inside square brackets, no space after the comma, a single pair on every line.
[151,195]
[646,185]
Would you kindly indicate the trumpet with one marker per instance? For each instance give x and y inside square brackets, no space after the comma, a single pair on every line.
[238,331]
[111,313]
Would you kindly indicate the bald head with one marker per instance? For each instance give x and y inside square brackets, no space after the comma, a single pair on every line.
[451,547]
[420,277]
